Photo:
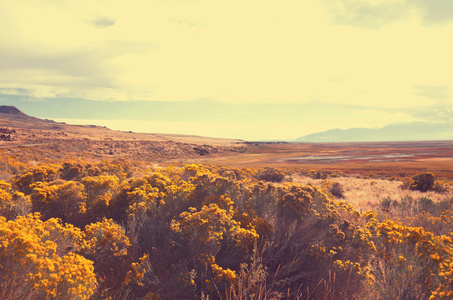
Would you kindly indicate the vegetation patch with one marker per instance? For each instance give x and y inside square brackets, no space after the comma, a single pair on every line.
[120,230]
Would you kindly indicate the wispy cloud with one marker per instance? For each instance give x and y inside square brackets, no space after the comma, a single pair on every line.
[435,12]
[103,22]
[367,14]
[434,114]
[376,14]
[440,92]
[14,91]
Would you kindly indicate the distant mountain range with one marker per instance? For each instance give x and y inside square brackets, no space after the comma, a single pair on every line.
[415,131]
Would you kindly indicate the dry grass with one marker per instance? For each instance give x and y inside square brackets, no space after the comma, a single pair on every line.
[367,194]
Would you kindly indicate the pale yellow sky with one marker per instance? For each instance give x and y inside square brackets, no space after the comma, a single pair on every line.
[387,54]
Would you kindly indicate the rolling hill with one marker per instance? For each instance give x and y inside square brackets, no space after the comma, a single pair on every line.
[17,129]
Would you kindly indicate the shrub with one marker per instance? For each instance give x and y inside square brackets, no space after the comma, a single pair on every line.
[426,204]
[422,182]
[35,262]
[337,190]
[13,203]
[386,203]
[24,181]
[99,190]
[440,187]
[271,175]
[208,231]
[195,231]
[106,245]
[60,199]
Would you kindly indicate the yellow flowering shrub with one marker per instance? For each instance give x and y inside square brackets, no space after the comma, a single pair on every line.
[416,256]
[24,181]
[346,267]
[192,172]
[153,194]
[217,275]
[60,199]
[206,230]
[118,167]
[193,230]
[99,191]
[77,277]
[105,238]
[32,261]
[159,181]
[138,271]
[422,182]
[142,198]
[208,227]
[13,203]
[295,205]
[235,173]
[11,164]
[78,169]
[106,243]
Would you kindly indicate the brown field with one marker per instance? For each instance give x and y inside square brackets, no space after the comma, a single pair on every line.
[387,158]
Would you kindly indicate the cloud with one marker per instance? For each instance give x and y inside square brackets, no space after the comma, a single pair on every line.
[14,91]
[439,114]
[376,14]
[19,94]
[79,72]
[434,92]
[34,99]
[441,111]
[103,22]
[435,11]
[366,14]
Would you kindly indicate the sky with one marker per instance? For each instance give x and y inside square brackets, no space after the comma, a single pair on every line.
[255,70]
